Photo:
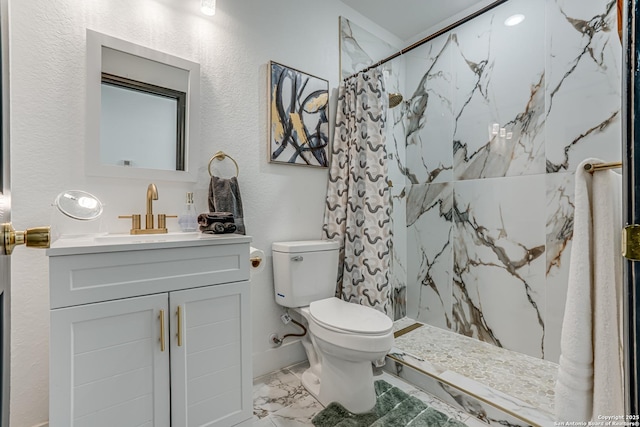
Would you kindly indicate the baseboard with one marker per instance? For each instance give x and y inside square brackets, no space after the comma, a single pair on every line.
[277,358]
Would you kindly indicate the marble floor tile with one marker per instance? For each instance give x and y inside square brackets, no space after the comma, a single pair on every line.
[299,413]
[280,400]
[298,369]
[262,422]
[276,391]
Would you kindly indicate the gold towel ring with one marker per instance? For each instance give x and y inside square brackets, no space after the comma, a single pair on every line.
[220,155]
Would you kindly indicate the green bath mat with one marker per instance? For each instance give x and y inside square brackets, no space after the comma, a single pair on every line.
[394,408]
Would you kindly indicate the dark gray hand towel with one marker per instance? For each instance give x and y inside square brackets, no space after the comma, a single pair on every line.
[224,196]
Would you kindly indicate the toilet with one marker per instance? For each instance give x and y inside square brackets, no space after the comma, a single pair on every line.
[343,338]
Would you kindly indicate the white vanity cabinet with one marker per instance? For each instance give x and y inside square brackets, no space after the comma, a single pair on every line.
[150,334]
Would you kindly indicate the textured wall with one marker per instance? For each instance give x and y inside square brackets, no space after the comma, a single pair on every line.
[48,131]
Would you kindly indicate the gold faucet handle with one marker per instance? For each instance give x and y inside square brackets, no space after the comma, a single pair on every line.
[162,220]
[135,220]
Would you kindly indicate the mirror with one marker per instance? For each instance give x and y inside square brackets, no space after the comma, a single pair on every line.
[141,125]
[78,204]
[142,111]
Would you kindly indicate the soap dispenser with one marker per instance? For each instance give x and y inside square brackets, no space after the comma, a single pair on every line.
[188,219]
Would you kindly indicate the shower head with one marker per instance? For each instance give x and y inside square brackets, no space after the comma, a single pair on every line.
[394,99]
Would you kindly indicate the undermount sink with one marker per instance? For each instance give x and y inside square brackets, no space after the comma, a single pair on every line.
[147,238]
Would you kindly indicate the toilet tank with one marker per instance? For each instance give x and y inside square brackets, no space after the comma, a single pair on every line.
[304,271]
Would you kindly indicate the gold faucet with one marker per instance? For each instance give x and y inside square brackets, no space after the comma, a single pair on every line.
[152,194]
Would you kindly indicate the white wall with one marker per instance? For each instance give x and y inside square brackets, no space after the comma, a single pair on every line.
[47,48]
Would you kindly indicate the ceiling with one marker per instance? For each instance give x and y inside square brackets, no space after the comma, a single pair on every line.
[408,18]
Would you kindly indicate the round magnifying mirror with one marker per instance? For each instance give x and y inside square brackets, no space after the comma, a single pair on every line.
[78,204]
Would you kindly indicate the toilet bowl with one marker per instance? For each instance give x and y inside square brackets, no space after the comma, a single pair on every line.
[343,338]
[344,354]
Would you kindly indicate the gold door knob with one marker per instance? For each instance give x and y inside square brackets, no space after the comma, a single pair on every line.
[36,237]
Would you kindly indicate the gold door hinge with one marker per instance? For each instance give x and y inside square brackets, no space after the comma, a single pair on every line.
[631,242]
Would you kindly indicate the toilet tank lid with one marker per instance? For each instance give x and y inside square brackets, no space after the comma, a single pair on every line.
[305,246]
[350,317]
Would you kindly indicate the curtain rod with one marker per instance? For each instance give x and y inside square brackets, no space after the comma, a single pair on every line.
[433,36]
[595,167]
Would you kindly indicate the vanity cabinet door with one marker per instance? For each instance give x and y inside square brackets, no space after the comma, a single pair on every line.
[211,379]
[108,366]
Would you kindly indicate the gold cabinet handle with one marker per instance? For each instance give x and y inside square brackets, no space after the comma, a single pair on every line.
[179,314]
[162,343]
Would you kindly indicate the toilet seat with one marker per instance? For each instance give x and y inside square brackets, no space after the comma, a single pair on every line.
[335,321]
[348,318]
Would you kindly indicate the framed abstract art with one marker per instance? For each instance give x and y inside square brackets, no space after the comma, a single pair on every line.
[298,117]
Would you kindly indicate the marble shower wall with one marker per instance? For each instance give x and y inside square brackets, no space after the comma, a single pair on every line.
[496,122]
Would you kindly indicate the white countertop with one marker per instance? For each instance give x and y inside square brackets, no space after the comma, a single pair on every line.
[91,244]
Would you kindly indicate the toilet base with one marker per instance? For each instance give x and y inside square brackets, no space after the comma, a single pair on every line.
[311,383]
[348,383]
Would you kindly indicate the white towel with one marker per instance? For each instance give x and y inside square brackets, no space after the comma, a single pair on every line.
[607,286]
[590,375]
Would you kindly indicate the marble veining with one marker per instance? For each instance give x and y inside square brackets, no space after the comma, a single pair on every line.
[428,121]
[514,108]
[560,207]
[429,237]
[276,392]
[517,139]
[583,52]
[499,95]
[360,48]
[559,229]
[491,247]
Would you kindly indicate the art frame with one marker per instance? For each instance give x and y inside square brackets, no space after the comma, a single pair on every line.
[298,117]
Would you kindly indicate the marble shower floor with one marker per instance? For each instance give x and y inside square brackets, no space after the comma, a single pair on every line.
[280,400]
[478,367]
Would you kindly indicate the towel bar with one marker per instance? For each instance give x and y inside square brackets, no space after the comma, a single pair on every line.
[221,155]
[594,167]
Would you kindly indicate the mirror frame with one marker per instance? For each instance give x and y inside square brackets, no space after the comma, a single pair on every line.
[93,167]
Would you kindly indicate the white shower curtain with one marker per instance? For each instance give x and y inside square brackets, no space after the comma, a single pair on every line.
[358,208]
